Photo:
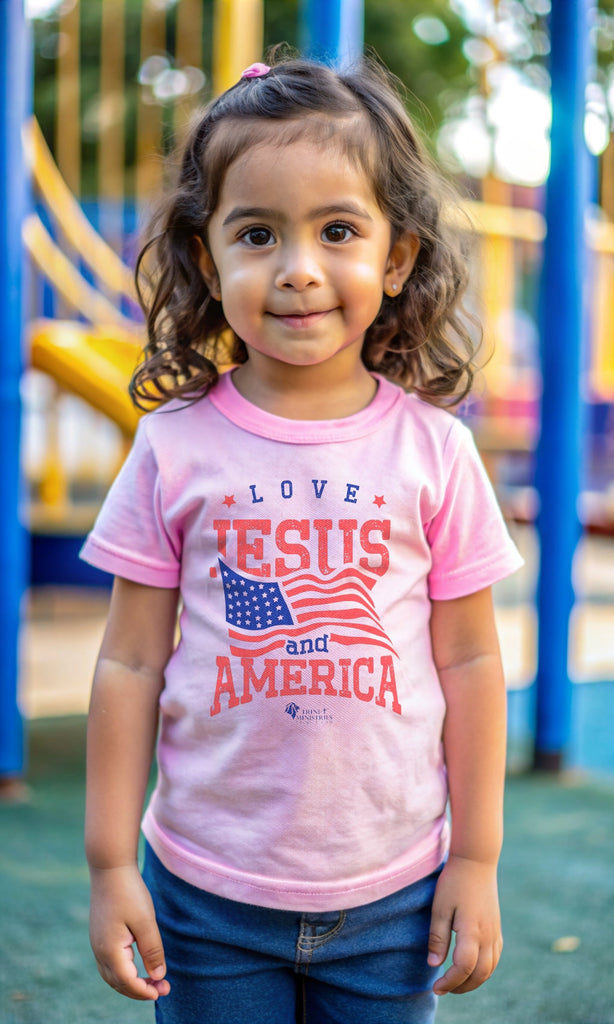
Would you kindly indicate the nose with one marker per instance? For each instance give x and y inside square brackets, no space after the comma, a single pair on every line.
[299,267]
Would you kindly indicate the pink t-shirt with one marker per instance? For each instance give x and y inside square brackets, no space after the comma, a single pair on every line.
[299,758]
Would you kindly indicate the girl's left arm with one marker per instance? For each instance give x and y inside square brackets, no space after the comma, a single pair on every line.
[467,657]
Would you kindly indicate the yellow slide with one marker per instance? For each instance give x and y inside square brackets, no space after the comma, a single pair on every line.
[95,363]
[93,360]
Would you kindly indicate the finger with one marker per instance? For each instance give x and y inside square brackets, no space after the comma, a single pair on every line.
[440,937]
[149,944]
[119,970]
[464,963]
[142,989]
[484,968]
[123,977]
[155,965]
[452,980]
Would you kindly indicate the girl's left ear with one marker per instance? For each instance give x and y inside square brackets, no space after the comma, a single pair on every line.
[207,268]
[401,260]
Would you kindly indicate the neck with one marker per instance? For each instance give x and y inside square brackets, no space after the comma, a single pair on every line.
[305,392]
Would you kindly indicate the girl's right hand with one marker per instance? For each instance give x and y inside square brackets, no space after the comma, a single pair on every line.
[122,914]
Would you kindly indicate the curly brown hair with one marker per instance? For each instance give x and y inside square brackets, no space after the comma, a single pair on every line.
[423,339]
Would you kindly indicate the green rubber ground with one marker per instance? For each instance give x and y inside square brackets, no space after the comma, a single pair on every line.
[557,882]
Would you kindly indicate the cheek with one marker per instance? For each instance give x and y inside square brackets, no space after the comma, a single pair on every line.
[369,272]
[243,300]
[368,283]
[241,282]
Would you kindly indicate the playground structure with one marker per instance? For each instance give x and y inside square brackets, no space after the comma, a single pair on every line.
[92,352]
[91,349]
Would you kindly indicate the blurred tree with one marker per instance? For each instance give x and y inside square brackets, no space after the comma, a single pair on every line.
[49,40]
[422,45]
[507,45]
[444,52]
[419,42]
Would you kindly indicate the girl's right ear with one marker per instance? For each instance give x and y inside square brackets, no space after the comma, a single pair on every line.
[207,268]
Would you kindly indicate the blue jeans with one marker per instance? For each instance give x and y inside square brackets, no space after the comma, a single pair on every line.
[234,963]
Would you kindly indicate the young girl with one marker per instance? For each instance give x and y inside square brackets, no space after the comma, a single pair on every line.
[330,536]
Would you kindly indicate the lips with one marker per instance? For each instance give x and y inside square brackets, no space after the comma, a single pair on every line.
[301,319]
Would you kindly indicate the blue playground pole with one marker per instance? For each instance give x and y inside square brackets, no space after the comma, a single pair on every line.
[562,329]
[14,65]
[332,30]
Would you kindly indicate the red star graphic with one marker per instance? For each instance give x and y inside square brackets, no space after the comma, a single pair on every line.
[379,500]
[229,500]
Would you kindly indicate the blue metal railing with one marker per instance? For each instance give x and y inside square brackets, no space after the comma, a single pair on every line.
[563,324]
[14,91]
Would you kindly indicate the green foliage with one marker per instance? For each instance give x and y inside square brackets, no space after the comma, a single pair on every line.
[434,74]
[437,74]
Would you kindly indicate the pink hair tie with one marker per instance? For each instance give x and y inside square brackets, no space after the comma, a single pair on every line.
[256,71]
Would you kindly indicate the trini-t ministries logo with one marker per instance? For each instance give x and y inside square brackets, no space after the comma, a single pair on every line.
[307,714]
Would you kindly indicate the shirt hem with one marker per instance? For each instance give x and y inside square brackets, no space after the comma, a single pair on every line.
[305,897]
[474,578]
[118,564]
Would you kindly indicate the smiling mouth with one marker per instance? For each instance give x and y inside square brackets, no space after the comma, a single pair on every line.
[301,319]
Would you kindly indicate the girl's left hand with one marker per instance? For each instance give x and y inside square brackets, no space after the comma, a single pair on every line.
[466,902]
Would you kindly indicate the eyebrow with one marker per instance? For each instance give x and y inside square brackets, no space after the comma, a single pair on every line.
[268,213]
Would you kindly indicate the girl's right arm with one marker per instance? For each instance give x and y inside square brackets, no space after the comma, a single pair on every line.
[122,727]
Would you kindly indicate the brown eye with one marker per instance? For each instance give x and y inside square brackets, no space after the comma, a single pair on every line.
[258,237]
[337,232]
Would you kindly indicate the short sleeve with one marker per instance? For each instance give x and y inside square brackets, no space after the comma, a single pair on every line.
[470,544]
[130,538]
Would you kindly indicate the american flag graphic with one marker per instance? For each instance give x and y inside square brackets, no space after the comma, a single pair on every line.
[262,615]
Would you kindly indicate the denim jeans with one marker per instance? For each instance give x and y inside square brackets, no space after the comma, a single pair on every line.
[234,963]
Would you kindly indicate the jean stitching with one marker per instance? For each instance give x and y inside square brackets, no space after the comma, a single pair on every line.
[298,962]
[308,951]
[316,941]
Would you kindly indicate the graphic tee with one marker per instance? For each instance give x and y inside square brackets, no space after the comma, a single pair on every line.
[300,762]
